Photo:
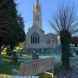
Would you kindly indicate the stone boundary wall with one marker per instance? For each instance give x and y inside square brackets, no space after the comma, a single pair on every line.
[36,66]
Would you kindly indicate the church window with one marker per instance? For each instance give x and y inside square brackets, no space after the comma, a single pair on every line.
[35,38]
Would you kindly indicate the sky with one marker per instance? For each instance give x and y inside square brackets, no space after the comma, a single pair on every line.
[48,9]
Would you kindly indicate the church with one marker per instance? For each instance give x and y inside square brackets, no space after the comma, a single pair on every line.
[36,39]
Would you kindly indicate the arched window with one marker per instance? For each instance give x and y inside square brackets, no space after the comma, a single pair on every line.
[35,38]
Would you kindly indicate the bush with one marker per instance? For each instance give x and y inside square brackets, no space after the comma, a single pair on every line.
[44,76]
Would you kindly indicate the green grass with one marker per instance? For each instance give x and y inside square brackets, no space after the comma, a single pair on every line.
[6,67]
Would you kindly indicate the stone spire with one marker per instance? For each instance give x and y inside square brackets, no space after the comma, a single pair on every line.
[37,21]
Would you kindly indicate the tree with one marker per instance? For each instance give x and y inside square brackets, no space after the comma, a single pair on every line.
[21,30]
[11,32]
[65,25]
[3,24]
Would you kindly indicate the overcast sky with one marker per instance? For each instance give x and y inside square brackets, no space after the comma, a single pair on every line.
[48,8]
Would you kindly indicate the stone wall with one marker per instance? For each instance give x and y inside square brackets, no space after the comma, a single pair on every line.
[36,66]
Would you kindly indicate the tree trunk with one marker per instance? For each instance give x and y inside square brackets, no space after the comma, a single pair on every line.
[65,43]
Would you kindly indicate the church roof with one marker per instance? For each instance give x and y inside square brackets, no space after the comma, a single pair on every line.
[35,28]
[50,36]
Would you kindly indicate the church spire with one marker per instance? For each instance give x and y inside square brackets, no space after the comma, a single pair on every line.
[37,14]
[37,2]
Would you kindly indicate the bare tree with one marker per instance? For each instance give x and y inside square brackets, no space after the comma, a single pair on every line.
[65,25]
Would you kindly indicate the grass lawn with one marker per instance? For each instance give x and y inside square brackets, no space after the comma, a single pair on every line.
[6,67]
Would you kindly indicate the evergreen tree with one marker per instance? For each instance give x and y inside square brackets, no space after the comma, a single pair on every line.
[10,29]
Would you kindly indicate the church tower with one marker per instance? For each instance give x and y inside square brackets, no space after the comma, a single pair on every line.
[37,21]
